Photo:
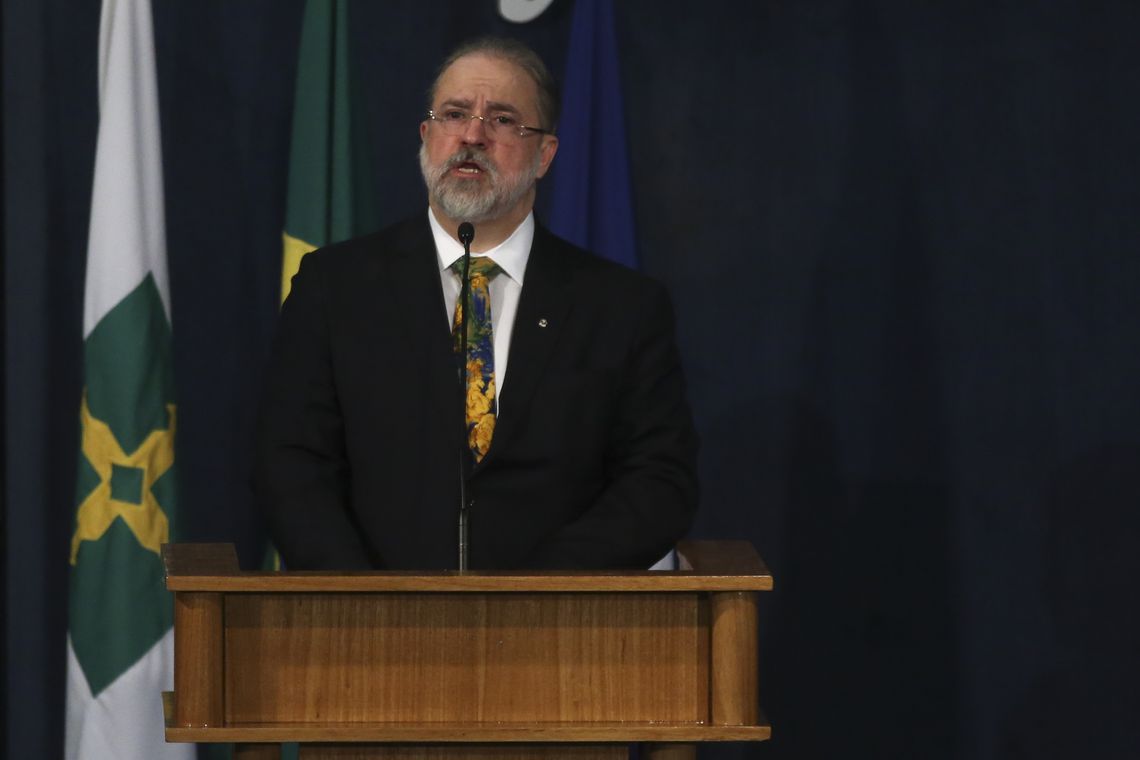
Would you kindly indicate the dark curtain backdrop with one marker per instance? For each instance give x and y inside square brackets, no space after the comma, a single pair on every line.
[902,240]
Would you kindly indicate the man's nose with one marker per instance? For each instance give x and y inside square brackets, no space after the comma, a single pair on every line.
[476,131]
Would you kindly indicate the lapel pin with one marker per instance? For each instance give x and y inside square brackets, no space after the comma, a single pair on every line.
[542,322]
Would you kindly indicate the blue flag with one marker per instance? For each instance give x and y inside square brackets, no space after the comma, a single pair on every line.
[591,203]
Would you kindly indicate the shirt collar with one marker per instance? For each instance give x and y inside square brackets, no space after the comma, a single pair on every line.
[511,255]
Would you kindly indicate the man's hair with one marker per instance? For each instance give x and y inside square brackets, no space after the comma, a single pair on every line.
[512,51]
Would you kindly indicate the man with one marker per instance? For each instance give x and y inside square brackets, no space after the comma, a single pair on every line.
[583,456]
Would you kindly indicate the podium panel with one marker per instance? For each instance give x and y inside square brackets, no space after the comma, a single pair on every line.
[451,665]
[465,658]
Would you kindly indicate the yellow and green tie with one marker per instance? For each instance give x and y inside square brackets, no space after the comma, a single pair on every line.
[480,354]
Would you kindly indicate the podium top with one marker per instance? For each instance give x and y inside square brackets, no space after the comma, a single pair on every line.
[706,566]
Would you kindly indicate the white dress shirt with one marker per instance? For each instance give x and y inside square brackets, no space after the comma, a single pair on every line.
[511,255]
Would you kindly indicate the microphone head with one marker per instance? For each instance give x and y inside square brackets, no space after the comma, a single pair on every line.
[466,233]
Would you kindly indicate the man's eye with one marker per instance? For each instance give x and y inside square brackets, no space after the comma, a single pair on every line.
[505,121]
[454,116]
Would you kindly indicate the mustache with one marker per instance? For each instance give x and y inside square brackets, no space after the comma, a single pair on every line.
[470,156]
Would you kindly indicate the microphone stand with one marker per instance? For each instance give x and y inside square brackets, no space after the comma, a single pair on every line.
[466,235]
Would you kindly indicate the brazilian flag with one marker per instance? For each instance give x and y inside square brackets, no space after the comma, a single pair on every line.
[330,196]
[330,193]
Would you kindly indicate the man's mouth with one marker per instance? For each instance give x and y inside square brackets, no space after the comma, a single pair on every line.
[469,167]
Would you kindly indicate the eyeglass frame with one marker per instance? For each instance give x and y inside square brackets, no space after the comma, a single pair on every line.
[523,130]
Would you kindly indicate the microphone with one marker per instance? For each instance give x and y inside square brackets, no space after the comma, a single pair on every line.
[466,235]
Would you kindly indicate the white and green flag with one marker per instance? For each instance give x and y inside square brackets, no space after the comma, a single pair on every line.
[120,651]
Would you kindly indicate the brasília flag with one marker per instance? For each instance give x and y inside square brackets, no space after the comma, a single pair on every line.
[120,642]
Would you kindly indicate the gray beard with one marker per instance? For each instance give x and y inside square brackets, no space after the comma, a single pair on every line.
[460,200]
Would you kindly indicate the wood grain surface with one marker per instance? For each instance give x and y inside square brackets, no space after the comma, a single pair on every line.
[465,661]
[200,559]
[727,559]
[735,695]
[435,733]
[463,752]
[459,658]
[198,656]
[454,581]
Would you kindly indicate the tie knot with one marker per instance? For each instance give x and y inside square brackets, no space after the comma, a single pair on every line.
[481,266]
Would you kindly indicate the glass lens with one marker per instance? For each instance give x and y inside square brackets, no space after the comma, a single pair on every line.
[499,126]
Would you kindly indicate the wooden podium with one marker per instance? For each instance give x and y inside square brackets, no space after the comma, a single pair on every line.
[465,665]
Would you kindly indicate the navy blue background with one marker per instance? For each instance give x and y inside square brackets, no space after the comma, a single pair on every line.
[901,238]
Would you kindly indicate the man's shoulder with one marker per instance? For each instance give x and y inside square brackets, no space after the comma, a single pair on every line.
[406,237]
[588,268]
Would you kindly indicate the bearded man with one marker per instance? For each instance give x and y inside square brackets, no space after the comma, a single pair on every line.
[582,457]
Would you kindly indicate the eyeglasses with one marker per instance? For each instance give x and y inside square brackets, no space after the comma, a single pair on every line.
[500,126]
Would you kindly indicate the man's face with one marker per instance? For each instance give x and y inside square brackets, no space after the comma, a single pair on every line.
[474,175]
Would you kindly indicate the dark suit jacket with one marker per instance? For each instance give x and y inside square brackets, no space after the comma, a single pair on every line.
[592,463]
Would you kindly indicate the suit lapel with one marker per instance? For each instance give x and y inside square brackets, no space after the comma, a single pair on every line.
[414,283]
[544,308]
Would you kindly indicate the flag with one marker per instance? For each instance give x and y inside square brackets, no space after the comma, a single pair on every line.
[591,202]
[120,642]
[330,195]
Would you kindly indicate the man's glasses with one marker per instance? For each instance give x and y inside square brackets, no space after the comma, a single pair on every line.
[500,126]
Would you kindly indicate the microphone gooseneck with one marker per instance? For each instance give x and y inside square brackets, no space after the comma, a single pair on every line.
[466,235]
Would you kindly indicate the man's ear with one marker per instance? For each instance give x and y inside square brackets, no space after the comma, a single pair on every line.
[547,150]
[423,130]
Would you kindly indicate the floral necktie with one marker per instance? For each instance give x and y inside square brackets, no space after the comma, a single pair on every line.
[480,354]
